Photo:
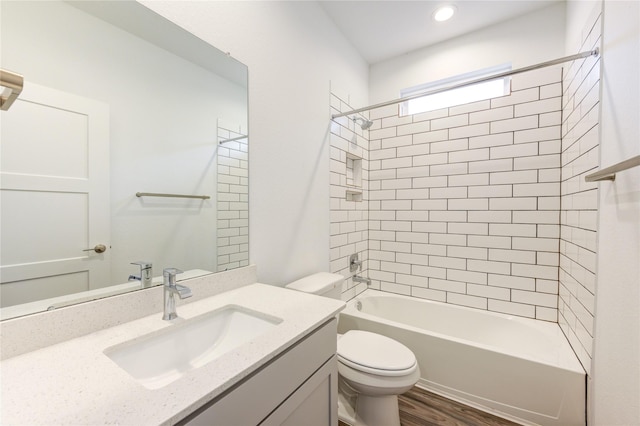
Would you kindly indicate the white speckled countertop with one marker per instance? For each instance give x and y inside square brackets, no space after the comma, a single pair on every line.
[73,382]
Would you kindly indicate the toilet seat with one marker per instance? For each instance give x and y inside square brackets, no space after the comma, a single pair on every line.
[375,354]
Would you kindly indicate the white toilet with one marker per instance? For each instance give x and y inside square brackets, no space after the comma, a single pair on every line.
[373,369]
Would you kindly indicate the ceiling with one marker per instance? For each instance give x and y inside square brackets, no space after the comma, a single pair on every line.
[381,30]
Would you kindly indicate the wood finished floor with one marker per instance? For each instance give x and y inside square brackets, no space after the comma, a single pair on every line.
[419,407]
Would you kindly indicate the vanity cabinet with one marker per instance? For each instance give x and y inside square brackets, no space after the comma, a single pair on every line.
[299,386]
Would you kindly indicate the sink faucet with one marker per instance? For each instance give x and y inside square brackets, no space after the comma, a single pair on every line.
[170,290]
[359,279]
[146,273]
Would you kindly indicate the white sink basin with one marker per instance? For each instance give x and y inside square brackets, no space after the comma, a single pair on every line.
[161,357]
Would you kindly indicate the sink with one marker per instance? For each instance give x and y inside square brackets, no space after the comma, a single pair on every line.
[161,357]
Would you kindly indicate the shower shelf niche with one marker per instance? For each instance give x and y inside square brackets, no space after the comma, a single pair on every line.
[354,195]
[354,178]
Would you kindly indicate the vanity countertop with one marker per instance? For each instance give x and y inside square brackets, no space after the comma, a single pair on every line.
[73,382]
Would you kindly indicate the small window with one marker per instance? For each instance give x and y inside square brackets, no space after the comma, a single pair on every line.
[462,95]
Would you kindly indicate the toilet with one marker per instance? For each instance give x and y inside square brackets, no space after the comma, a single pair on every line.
[372,369]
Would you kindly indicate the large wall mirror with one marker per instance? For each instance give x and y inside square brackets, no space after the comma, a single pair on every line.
[128,144]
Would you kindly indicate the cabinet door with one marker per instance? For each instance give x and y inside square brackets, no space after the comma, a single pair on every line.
[315,403]
[265,391]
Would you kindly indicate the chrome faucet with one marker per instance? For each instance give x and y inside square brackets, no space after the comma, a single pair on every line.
[358,279]
[146,273]
[170,290]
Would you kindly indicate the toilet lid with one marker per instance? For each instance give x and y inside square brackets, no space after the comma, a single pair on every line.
[376,354]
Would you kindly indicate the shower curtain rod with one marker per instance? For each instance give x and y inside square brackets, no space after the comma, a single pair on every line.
[581,55]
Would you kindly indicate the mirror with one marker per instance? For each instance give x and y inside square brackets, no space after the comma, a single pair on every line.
[120,108]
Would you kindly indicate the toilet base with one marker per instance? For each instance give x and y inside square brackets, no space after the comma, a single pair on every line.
[377,411]
[346,409]
[363,410]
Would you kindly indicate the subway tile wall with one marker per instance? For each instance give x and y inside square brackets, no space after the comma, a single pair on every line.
[463,203]
[579,200]
[349,180]
[232,201]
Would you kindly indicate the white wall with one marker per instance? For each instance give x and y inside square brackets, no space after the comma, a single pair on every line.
[523,41]
[293,52]
[615,399]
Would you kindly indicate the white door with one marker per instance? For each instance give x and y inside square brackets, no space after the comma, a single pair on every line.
[54,195]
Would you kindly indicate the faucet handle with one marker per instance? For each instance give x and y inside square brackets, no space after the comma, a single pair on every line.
[169,275]
[143,264]
[146,273]
[354,263]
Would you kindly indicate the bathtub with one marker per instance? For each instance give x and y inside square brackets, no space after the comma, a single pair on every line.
[516,368]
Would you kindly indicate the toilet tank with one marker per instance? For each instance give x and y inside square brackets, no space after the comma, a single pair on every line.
[323,284]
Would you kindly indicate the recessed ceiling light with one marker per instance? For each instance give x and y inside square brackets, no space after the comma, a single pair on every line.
[444,13]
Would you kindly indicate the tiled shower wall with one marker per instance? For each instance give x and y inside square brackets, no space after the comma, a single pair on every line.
[580,156]
[349,196]
[464,202]
[233,201]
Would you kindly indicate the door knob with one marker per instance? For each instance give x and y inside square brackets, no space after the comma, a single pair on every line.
[100,248]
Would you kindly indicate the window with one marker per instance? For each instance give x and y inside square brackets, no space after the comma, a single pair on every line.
[462,95]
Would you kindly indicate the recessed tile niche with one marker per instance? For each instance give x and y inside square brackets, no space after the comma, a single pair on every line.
[354,178]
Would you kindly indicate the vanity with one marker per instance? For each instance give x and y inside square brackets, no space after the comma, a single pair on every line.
[284,373]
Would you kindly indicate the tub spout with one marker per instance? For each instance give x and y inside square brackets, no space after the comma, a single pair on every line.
[359,279]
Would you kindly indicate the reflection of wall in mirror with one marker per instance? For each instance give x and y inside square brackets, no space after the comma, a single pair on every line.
[163,126]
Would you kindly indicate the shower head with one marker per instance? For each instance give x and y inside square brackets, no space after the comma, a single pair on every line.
[365,123]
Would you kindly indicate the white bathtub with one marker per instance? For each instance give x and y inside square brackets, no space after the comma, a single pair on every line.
[517,368]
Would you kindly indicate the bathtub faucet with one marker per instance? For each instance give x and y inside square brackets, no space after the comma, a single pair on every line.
[359,279]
